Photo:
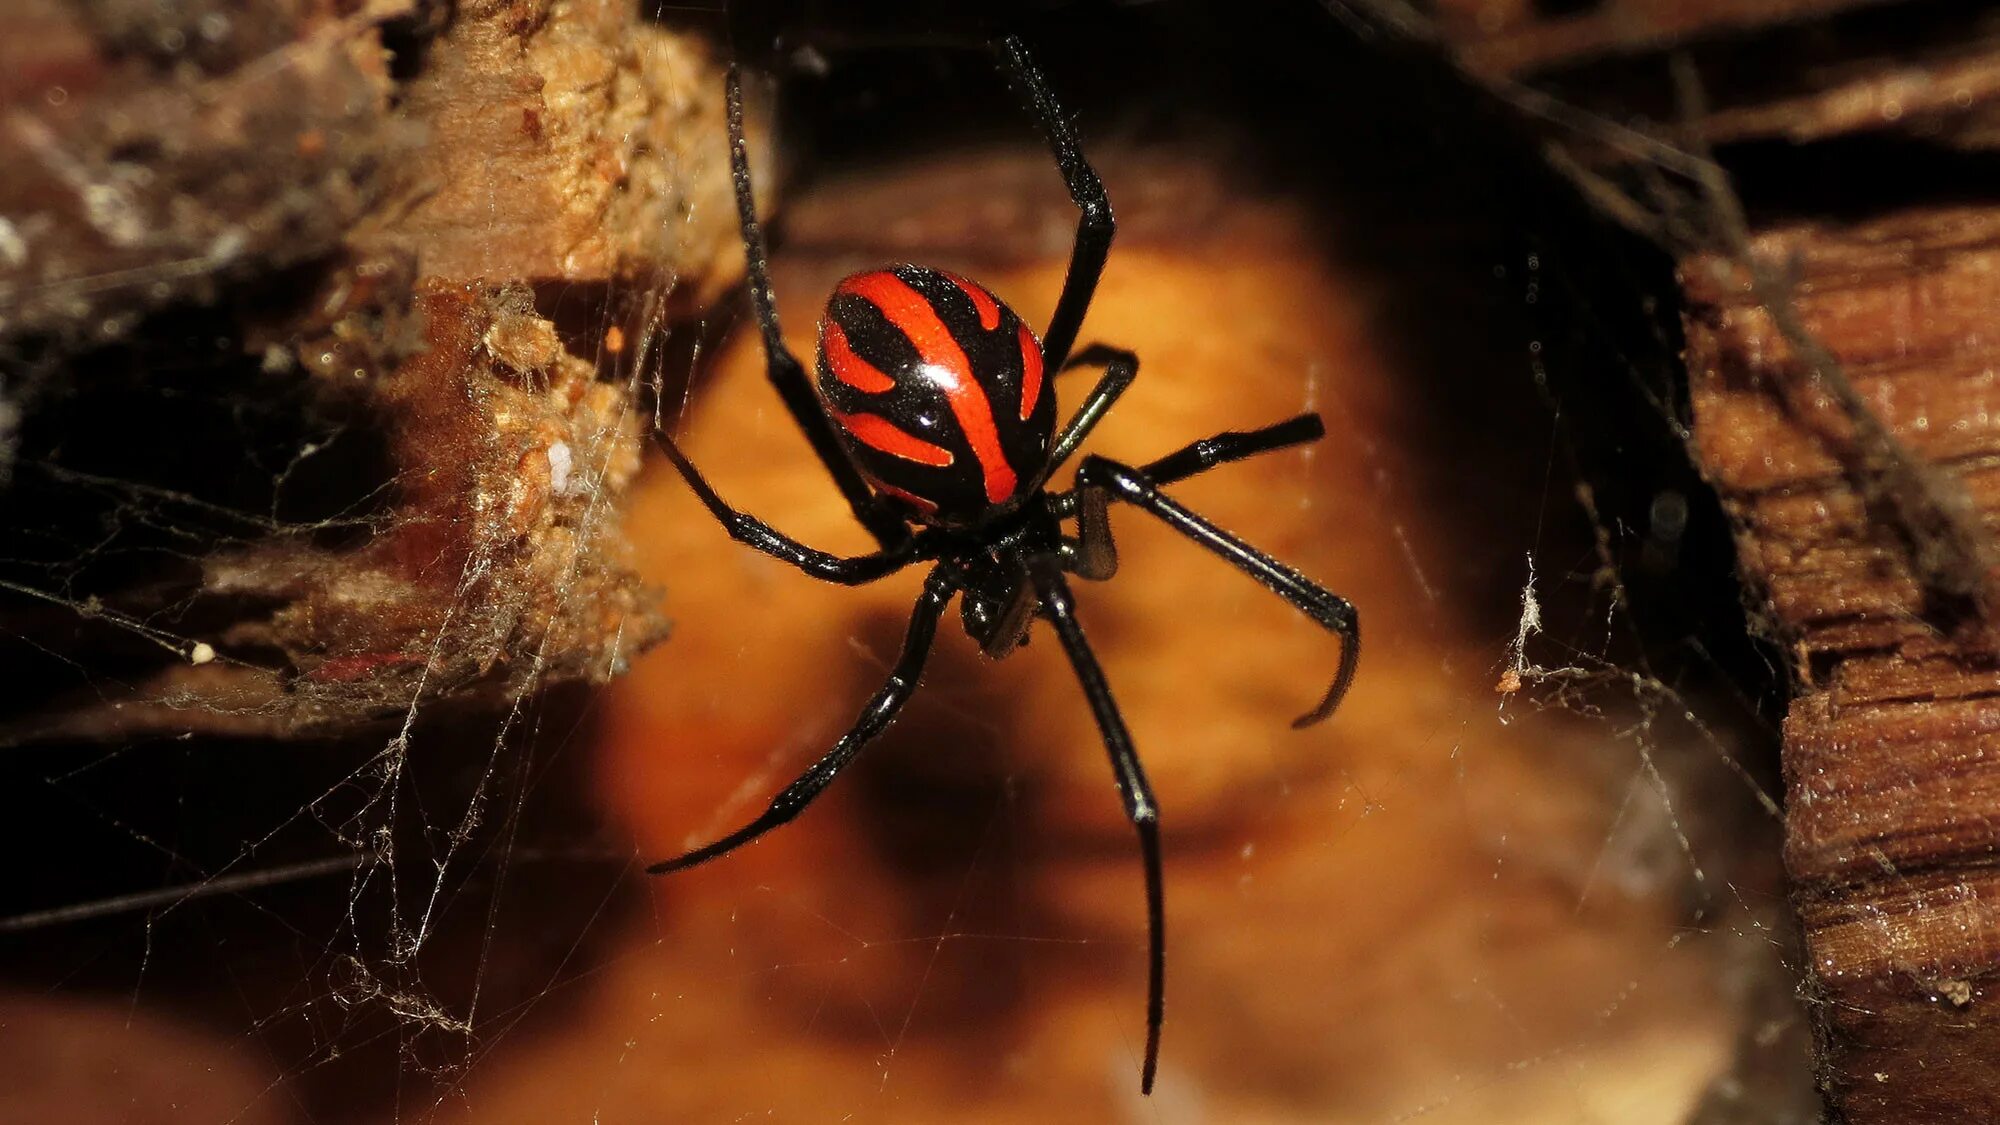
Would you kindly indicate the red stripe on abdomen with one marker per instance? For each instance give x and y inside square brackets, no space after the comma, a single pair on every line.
[945,365]
[989,309]
[848,367]
[1031,372]
[877,432]
[922,505]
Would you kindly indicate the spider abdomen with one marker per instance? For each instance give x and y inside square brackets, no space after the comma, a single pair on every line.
[937,388]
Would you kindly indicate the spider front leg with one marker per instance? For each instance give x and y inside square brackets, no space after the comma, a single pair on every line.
[783,369]
[1140,807]
[1332,611]
[874,719]
[1093,555]
[1095,225]
[1120,368]
[1233,445]
[748,529]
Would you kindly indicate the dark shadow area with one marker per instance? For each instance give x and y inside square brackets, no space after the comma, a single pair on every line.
[371,978]
[156,452]
[952,825]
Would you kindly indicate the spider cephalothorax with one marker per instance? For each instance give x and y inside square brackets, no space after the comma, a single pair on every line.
[935,406]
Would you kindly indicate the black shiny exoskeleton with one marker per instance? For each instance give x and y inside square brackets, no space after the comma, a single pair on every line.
[934,407]
[938,389]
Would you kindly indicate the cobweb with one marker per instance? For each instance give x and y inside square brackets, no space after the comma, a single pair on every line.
[1527,873]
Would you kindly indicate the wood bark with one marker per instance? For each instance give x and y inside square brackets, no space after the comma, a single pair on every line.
[287,310]
[1841,363]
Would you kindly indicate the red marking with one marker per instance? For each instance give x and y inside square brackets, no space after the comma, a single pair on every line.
[922,505]
[989,309]
[1031,372]
[848,367]
[945,365]
[877,432]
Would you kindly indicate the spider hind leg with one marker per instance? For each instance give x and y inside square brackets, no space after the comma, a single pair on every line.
[1133,789]
[875,717]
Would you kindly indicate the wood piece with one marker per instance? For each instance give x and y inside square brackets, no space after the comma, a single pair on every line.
[1800,70]
[359,232]
[1891,799]
[1865,519]
[1516,36]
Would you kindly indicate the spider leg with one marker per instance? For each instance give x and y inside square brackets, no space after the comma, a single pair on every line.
[1332,611]
[1233,445]
[1092,554]
[1140,807]
[783,369]
[1094,227]
[875,717]
[1206,454]
[748,529]
[1120,368]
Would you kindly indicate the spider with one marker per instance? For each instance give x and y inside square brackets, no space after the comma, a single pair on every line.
[934,415]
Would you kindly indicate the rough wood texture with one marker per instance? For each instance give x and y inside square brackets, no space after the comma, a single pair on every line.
[279,293]
[1858,132]
[1891,785]
[1513,36]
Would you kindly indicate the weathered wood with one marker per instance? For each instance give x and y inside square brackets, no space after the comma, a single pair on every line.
[1891,773]
[1865,516]
[361,231]
[1893,785]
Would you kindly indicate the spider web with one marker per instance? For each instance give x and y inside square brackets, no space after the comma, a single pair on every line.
[1524,874]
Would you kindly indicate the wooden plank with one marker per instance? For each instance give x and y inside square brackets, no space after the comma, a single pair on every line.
[1892,753]
[1892,746]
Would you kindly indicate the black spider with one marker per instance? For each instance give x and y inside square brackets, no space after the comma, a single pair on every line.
[931,409]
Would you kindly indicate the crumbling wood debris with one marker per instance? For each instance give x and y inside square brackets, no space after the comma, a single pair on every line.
[1841,361]
[298,420]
